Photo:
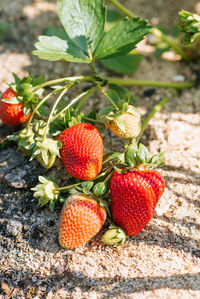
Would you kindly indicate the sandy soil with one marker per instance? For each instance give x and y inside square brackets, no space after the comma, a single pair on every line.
[163,261]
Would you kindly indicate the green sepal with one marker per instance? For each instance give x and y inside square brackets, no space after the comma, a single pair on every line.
[137,157]
[120,170]
[46,191]
[87,185]
[142,154]
[190,25]
[52,205]
[42,201]
[27,109]
[13,137]
[121,124]
[14,100]
[157,160]
[17,79]
[130,155]
[114,236]
[132,110]
[107,157]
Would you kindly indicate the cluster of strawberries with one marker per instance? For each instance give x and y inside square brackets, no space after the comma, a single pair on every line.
[119,187]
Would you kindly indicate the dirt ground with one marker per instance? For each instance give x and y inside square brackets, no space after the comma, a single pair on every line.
[163,261]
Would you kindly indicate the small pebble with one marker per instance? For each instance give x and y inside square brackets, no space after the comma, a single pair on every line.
[14,227]
[179,78]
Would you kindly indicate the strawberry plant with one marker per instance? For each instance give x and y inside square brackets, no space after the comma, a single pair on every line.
[121,189]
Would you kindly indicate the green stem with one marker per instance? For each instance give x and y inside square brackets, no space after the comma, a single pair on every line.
[123,9]
[66,79]
[150,83]
[107,97]
[70,104]
[93,67]
[67,187]
[71,186]
[54,107]
[87,95]
[172,42]
[40,104]
[108,177]
[94,120]
[155,109]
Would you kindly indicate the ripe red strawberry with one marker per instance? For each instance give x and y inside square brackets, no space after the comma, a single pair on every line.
[81,219]
[82,151]
[135,195]
[12,114]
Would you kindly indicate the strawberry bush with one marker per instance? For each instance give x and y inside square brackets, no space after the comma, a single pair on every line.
[119,189]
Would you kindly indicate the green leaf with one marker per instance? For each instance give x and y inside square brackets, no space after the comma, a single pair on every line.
[122,38]
[105,111]
[56,31]
[100,189]
[54,48]
[126,64]
[83,21]
[113,95]
[123,93]
[113,16]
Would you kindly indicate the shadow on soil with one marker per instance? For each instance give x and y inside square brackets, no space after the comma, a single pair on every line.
[70,280]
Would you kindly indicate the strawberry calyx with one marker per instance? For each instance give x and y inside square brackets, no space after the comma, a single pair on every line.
[32,141]
[66,119]
[25,92]
[24,139]
[114,236]
[189,24]
[46,191]
[45,150]
[138,158]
